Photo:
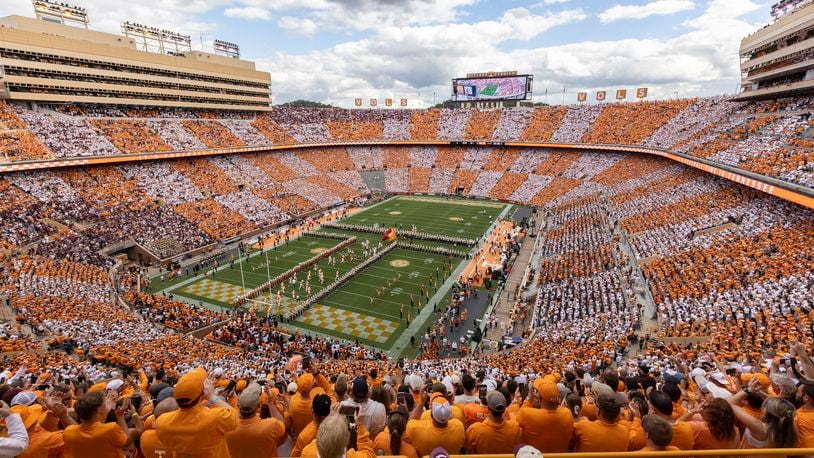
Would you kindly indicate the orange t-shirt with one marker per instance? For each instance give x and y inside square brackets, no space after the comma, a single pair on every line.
[306,436]
[488,437]
[474,413]
[100,440]
[549,431]
[599,436]
[151,447]
[255,438]
[704,440]
[42,444]
[805,428]
[197,431]
[381,446]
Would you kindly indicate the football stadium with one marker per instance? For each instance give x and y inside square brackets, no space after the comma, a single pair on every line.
[189,269]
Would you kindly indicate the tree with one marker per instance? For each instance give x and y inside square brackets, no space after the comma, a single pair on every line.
[446,104]
[304,104]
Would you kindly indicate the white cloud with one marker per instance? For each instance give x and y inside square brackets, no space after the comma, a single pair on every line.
[658,7]
[248,12]
[399,62]
[297,25]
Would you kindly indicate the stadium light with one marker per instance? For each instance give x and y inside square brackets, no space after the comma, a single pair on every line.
[61,13]
[152,39]
[225,48]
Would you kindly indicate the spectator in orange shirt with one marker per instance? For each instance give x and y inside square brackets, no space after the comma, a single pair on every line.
[94,438]
[659,433]
[605,434]
[333,438]
[545,424]
[193,429]
[805,417]
[493,435]
[718,429]
[321,408]
[440,430]
[661,405]
[254,437]
[149,444]
[391,441]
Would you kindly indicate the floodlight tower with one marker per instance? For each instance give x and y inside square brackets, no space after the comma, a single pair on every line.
[225,48]
[61,13]
[152,39]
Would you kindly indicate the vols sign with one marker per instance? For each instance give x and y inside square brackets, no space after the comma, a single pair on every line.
[358,102]
[403,102]
[641,93]
[621,94]
[600,95]
[388,102]
[373,102]
[582,96]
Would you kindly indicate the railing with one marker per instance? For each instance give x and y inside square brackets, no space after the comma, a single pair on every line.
[692,453]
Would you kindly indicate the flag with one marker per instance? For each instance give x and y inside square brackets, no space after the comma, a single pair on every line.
[389,234]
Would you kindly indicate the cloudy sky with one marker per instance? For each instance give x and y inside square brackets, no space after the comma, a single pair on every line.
[336,50]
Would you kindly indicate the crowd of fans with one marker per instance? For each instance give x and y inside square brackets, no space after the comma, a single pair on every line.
[729,265]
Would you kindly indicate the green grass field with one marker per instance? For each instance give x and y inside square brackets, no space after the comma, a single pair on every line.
[368,307]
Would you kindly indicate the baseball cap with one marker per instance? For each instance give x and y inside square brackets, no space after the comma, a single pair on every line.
[30,415]
[249,398]
[305,383]
[292,388]
[496,402]
[23,398]
[439,452]
[548,390]
[359,387]
[167,392]
[321,405]
[526,451]
[114,384]
[761,379]
[190,385]
[441,410]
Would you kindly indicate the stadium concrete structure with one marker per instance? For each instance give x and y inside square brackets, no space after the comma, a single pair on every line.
[667,241]
[778,60]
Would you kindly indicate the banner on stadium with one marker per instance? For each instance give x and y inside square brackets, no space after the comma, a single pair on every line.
[388,102]
[403,102]
[374,102]
[641,92]
[621,94]
[582,96]
[600,95]
[358,102]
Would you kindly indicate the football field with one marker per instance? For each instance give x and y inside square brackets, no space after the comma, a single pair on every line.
[381,305]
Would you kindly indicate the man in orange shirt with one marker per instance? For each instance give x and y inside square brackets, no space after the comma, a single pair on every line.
[255,437]
[299,407]
[321,407]
[494,435]
[605,434]
[658,433]
[440,430]
[150,446]
[662,406]
[94,438]
[194,430]
[43,442]
[550,426]
[475,412]
[805,417]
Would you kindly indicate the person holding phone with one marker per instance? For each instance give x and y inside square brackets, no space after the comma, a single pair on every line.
[94,437]
[372,413]
[255,437]
[334,436]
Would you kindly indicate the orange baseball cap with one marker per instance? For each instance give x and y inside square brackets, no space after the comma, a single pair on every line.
[190,385]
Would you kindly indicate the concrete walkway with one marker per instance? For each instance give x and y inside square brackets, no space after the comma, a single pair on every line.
[505,304]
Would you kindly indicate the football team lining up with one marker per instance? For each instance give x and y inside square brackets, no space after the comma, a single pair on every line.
[378,304]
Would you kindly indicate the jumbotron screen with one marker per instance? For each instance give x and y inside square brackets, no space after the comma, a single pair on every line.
[516,87]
